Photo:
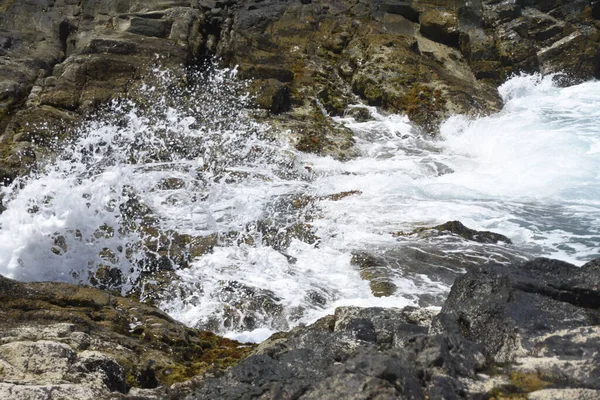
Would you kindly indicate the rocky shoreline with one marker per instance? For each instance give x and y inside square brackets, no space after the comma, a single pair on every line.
[515,331]
[529,331]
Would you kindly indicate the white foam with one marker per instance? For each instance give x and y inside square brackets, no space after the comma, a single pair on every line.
[529,172]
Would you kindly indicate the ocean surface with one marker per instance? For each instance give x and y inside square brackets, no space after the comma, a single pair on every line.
[292,235]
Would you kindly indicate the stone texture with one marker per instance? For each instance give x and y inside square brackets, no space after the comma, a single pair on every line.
[427,58]
[520,331]
[527,330]
[65,341]
[78,56]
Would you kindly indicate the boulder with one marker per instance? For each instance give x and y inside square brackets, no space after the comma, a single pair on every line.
[543,315]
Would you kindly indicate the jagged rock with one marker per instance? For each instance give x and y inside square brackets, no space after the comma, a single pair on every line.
[332,51]
[535,326]
[577,55]
[309,58]
[360,114]
[272,95]
[542,315]
[80,56]
[440,26]
[357,354]
[457,228]
[508,37]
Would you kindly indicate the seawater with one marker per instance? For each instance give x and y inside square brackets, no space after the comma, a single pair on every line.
[193,162]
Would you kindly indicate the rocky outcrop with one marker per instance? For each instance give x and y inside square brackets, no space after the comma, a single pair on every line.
[521,331]
[532,36]
[542,315]
[426,58]
[432,251]
[61,59]
[457,228]
[331,54]
[61,341]
[527,330]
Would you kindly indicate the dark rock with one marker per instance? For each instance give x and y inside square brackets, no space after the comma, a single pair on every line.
[440,26]
[459,229]
[537,309]
[577,55]
[542,316]
[149,27]
[360,114]
[405,8]
[370,376]
[272,95]
[595,5]
[328,360]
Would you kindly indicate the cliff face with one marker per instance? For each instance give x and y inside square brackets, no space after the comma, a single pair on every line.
[427,58]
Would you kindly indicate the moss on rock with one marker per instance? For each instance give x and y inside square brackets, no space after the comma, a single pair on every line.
[151,347]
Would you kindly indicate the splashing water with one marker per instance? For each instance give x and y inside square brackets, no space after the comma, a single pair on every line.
[185,199]
[89,214]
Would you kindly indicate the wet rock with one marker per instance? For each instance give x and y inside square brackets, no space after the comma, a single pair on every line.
[377,272]
[247,308]
[149,27]
[520,331]
[576,55]
[334,51]
[78,57]
[360,114]
[457,228]
[335,357]
[272,95]
[426,59]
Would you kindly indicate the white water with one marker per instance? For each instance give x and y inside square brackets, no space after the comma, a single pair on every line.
[530,172]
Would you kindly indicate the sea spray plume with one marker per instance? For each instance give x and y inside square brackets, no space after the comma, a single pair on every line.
[87,216]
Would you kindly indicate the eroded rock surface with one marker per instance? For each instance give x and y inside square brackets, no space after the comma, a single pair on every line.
[527,330]
[61,59]
[65,341]
[543,315]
